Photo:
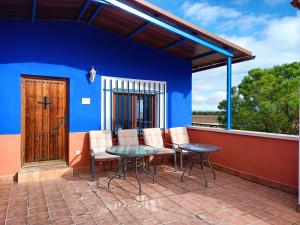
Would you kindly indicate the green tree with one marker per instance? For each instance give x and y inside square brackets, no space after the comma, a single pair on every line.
[266,100]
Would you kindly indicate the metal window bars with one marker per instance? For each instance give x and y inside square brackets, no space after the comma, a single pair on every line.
[118,105]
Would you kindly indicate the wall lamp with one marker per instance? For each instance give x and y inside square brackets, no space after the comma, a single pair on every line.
[92,75]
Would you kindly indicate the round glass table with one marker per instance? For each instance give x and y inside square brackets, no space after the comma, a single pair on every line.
[204,152]
[132,154]
[132,150]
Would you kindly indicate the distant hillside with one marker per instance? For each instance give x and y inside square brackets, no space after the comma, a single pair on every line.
[205,119]
[207,113]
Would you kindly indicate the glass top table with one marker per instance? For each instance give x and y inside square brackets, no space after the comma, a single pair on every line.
[204,151]
[132,154]
[199,148]
[132,150]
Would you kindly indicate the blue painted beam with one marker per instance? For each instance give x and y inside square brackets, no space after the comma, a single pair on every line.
[104,103]
[203,55]
[138,30]
[100,7]
[229,106]
[33,9]
[168,27]
[173,44]
[85,7]
[99,1]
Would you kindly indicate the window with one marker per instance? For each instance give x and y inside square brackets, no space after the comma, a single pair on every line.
[132,104]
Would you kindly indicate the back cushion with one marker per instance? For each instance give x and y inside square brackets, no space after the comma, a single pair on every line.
[179,135]
[128,137]
[100,140]
[152,137]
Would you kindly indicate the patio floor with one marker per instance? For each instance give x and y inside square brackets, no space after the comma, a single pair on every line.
[76,200]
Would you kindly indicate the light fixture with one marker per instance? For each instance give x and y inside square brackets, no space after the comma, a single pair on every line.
[92,75]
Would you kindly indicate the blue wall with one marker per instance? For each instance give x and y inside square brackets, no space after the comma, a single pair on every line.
[67,49]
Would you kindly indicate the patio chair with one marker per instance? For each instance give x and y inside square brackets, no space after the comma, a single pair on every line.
[179,136]
[153,137]
[128,137]
[99,141]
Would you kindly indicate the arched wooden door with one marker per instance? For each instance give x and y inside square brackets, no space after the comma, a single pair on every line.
[44,119]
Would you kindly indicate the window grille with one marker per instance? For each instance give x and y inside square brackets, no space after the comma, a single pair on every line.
[132,104]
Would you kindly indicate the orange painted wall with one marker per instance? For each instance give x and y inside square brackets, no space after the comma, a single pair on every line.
[79,141]
[272,159]
[10,150]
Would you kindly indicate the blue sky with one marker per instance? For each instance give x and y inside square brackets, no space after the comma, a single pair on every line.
[268,28]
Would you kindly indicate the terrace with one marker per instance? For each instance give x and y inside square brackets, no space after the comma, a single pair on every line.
[76,200]
[136,87]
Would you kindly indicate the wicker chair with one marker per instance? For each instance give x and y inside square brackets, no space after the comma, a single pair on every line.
[99,141]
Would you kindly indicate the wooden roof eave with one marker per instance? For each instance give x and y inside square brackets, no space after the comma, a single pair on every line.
[188,26]
[222,63]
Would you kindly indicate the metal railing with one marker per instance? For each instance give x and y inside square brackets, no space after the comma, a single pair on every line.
[126,88]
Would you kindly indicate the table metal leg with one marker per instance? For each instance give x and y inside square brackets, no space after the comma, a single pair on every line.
[110,180]
[175,160]
[154,164]
[191,168]
[212,170]
[120,167]
[202,167]
[185,170]
[125,168]
[148,164]
[125,163]
[137,176]
[181,160]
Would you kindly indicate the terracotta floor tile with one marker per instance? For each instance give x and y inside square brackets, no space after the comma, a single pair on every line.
[17,220]
[125,217]
[151,221]
[38,210]
[56,207]
[90,222]
[14,222]
[227,201]
[12,213]
[82,218]
[39,219]
[62,221]
[107,220]
[55,215]
[100,211]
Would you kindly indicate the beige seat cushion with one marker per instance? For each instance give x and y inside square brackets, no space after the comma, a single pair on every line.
[100,140]
[106,156]
[128,137]
[165,151]
[179,135]
[152,137]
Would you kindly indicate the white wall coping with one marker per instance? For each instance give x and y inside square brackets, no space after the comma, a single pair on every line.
[248,133]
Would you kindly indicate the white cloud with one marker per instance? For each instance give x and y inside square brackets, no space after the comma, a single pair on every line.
[206,14]
[223,18]
[276,44]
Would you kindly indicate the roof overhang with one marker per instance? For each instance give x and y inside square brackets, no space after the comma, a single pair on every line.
[296,3]
[136,20]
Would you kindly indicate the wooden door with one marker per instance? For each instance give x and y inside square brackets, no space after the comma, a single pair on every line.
[44,119]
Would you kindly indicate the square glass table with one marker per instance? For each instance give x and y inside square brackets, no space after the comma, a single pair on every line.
[131,154]
[202,150]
